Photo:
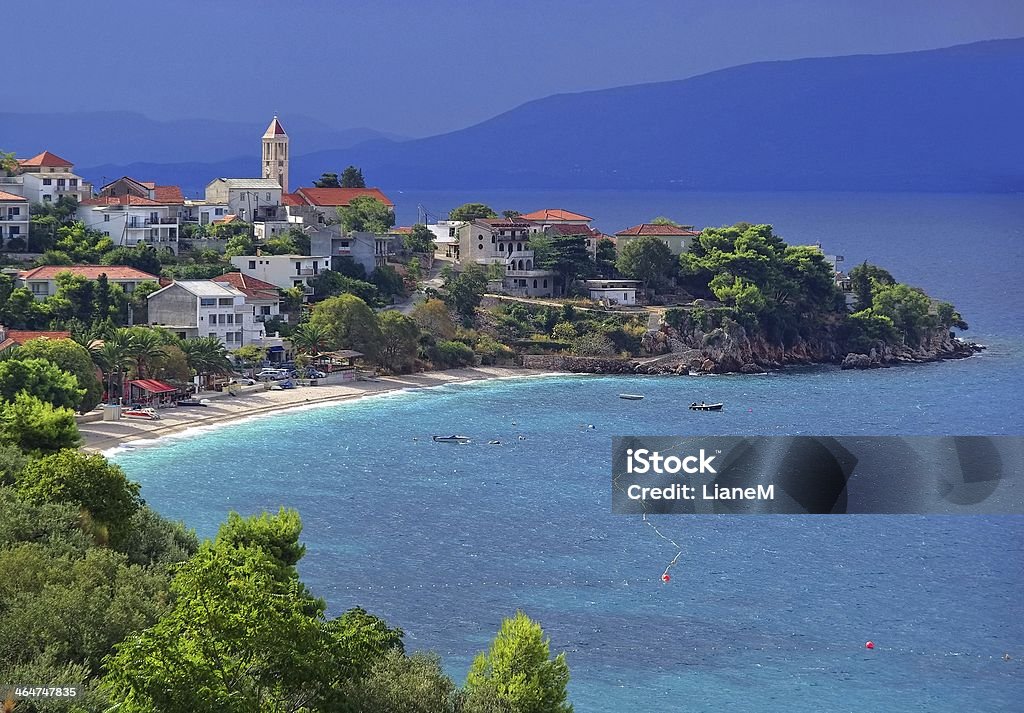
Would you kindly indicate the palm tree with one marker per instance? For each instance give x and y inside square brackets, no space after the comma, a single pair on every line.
[206,356]
[113,356]
[146,347]
[311,338]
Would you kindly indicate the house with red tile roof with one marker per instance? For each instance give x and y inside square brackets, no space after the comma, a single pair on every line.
[319,206]
[14,217]
[42,281]
[45,178]
[130,220]
[263,297]
[552,216]
[16,337]
[127,186]
[678,238]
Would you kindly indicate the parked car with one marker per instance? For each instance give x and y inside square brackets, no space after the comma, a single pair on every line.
[273,374]
[244,381]
[315,374]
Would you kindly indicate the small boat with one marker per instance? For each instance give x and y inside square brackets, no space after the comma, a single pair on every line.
[705,407]
[147,414]
[190,402]
[631,397]
[451,439]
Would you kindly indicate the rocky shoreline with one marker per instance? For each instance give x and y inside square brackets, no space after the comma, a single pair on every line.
[736,352]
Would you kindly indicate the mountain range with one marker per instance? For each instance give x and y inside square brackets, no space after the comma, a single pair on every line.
[935,120]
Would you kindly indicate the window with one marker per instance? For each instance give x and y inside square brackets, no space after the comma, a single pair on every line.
[212,334]
[14,230]
[218,211]
[493,240]
[47,198]
[106,217]
[265,309]
[40,288]
[545,282]
[268,197]
[47,181]
[451,232]
[231,319]
[480,246]
[222,319]
[534,283]
[14,211]
[73,182]
[207,302]
[252,264]
[226,302]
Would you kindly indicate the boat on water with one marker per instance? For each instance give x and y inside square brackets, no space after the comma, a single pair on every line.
[631,397]
[706,407]
[451,439]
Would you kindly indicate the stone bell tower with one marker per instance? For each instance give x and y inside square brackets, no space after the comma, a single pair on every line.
[275,154]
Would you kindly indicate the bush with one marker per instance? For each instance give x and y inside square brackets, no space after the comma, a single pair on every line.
[450,354]
[596,345]
[491,351]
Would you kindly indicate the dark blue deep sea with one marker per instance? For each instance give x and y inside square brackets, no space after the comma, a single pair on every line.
[762,613]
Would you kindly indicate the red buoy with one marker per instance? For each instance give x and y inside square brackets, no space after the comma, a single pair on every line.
[665,577]
[869,645]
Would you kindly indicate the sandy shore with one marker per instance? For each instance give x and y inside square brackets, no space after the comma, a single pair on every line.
[221,407]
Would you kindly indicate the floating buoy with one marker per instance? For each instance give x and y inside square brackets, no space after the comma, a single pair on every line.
[666,577]
[869,645]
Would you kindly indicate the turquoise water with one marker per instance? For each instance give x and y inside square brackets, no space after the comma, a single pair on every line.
[762,613]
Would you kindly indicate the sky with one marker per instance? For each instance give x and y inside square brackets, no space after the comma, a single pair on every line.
[421,67]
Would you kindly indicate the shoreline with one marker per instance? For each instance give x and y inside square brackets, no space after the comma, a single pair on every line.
[222,409]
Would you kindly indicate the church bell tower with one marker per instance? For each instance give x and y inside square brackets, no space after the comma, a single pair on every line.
[275,154]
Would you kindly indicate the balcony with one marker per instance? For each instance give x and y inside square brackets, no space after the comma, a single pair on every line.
[305,271]
[528,273]
[11,180]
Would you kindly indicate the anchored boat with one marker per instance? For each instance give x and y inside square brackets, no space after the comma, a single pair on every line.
[631,397]
[705,407]
[451,439]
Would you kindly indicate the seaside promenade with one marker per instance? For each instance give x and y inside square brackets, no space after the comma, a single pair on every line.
[221,408]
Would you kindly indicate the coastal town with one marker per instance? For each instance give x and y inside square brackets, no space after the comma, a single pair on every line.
[260,286]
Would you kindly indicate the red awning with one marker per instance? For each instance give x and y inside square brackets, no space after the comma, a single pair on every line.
[152,386]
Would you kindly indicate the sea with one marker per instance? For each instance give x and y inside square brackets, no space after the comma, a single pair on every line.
[762,613]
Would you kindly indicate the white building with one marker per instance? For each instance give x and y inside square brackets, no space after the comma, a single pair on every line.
[506,242]
[446,237]
[42,281]
[264,298]
[203,212]
[204,308]
[44,178]
[612,292]
[283,271]
[251,199]
[13,218]
[129,220]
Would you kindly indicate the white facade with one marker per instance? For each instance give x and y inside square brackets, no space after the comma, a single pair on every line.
[251,199]
[621,292]
[44,179]
[204,213]
[14,217]
[283,271]
[203,308]
[128,221]
[506,242]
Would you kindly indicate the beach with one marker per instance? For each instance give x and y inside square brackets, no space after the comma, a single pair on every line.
[221,407]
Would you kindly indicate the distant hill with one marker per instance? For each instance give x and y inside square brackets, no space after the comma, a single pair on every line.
[938,120]
[121,137]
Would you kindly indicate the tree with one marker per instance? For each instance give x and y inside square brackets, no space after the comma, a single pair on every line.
[37,427]
[388,281]
[736,291]
[206,356]
[647,259]
[592,344]
[366,214]
[142,257]
[22,310]
[510,214]
[146,348]
[419,239]
[662,220]
[472,211]
[517,672]
[465,290]
[432,317]
[173,367]
[327,180]
[352,177]
[139,300]
[312,339]
[399,341]
[39,378]
[605,257]
[72,358]
[566,255]
[88,481]
[8,163]
[907,307]
[12,461]
[331,283]
[407,684]
[350,323]
[865,277]
[241,244]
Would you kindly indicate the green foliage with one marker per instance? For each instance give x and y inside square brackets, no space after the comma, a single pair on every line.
[12,461]
[566,255]
[517,672]
[241,244]
[471,211]
[948,316]
[141,257]
[206,356]
[906,306]
[647,259]
[866,279]
[738,292]
[388,281]
[275,535]
[308,338]
[72,358]
[87,481]
[465,290]
[37,427]
[564,331]
[399,342]
[39,378]
[350,323]
[592,345]
[366,213]
[491,351]
[406,684]
[327,180]
[419,240]
[352,177]
[433,317]
[451,354]
[605,258]
[662,220]
[348,267]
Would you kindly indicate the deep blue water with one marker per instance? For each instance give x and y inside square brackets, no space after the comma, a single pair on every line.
[762,613]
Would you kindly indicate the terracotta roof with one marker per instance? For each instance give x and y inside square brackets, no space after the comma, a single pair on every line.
[556,214]
[339,196]
[45,159]
[229,218]
[275,129]
[658,229]
[11,197]
[574,229]
[17,337]
[119,200]
[167,194]
[292,199]
[89,272]
[249,285]
[402,230]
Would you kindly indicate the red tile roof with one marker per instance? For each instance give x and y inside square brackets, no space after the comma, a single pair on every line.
[119,200]
[333,197]
[574,229]
[292,199]
[13,337]
[546,214]
[168,195]
[11,197]
[658,229]
[249,285]
[45,159]
[229,218]
[89,272]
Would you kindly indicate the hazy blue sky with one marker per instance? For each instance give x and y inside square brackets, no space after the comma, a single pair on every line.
[417,67]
